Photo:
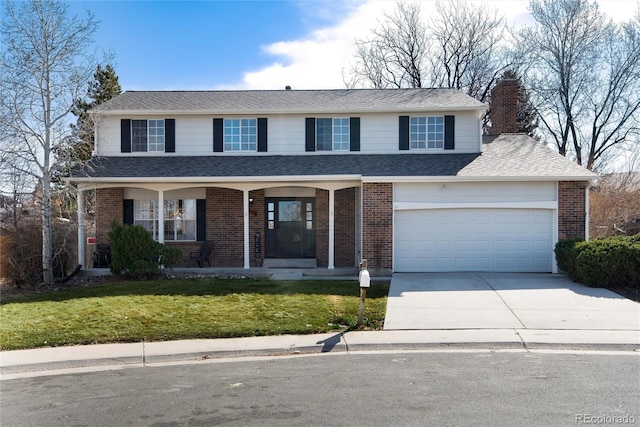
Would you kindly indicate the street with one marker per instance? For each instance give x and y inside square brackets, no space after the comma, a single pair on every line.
[506,388]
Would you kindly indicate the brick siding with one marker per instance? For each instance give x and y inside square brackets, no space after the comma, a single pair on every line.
[225,227]
[322,228]
[345,227]
[571,209]
[109,207]
[377,224]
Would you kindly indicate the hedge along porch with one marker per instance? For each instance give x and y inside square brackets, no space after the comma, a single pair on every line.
[240,222]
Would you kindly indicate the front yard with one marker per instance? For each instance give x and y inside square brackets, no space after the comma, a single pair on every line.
[155,310]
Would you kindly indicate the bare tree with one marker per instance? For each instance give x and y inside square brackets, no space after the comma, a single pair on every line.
[459,47]
[45,67]
[583,75]
[395,54]
[466,49]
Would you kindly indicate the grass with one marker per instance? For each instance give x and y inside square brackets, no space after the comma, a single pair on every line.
[158,310]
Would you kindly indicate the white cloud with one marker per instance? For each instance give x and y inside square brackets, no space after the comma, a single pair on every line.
[320,60]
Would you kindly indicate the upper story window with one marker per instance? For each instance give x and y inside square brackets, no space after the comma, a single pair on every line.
[147,135]
[332,134]
[426,132]
[240,134]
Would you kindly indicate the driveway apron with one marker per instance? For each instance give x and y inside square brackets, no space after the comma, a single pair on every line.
[473,300]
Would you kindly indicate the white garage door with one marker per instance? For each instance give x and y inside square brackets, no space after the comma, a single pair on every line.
[517,240]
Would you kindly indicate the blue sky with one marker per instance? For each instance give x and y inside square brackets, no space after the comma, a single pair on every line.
[307,44]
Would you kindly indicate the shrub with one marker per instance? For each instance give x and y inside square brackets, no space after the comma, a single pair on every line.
[135,253]
[566,256]
[609,261]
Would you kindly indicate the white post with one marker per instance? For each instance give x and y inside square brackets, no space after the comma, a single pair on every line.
[332,203]
[81,241]
[161,216]
[245,194]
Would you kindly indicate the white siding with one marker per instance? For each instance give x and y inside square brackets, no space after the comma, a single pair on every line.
[286,134]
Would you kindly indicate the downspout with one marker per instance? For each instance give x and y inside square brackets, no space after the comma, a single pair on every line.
[586,209]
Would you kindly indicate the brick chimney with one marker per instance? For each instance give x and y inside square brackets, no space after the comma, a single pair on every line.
[504,107]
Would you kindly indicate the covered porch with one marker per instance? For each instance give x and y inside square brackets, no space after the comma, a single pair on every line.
[306,225]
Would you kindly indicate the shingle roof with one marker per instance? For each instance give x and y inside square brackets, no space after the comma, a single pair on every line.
[509,156]
[290,101]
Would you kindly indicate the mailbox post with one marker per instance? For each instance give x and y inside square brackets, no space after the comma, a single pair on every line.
[365,282]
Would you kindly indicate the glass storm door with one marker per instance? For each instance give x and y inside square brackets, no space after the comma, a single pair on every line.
[290,228]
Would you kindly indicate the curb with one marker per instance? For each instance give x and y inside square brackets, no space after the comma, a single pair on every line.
[143,354]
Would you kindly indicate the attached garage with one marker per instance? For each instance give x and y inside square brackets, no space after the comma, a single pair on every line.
[512,230]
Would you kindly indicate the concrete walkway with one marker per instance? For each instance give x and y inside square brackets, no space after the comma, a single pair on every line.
[425,312]
[530,301]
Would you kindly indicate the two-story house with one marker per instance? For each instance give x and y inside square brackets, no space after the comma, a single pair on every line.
[400,177]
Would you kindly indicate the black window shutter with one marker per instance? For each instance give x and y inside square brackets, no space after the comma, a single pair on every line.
[262,134]
[354,134]
[170,135]
[127,205]
[449,133]
[310,134]
[201,220]
[403,134]
[125,136]
[218,135]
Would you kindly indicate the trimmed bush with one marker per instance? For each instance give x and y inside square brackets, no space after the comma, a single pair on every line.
[134,252]
[612,261]
[566,256]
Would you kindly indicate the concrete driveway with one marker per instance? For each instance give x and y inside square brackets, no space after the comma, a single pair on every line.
[472,300]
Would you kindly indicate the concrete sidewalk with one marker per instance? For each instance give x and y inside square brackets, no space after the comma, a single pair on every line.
[61,359]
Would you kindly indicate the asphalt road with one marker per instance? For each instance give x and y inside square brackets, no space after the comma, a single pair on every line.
[383,389]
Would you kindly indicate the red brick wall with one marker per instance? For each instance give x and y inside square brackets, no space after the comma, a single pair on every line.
[345,227]
[377,224]
[256,225]
[504,107]
[225,227]
[109,206]
[322,228]
[571,209]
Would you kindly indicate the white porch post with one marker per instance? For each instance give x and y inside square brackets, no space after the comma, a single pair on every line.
[81,241]
[161,216]
[245,194]
[331,228]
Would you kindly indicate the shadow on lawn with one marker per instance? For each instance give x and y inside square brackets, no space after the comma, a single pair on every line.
[206,287]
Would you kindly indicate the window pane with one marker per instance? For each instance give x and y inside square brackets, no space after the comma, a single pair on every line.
[240,134]
[435,132]
[323,134]
[341,134]
[156,135]
[290,211]
[138,135]
[417,132]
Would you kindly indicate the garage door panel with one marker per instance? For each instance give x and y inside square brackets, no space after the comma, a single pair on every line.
[473,239]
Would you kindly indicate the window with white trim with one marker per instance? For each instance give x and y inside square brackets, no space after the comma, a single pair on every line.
[147,135]
[179,218]
[332,134]
[240,134]
[426,132]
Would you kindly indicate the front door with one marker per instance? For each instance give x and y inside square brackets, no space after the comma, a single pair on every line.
[290,228]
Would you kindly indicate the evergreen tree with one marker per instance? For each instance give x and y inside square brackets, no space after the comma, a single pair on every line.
[103,87]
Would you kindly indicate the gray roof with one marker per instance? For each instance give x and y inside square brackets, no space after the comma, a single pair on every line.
[509,156]
[289,101]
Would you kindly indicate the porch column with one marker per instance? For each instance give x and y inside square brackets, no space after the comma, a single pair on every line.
[245,196]
[81,240]
[161,216]
[331,228]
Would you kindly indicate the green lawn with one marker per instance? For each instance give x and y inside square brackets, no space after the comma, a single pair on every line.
[185,308]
